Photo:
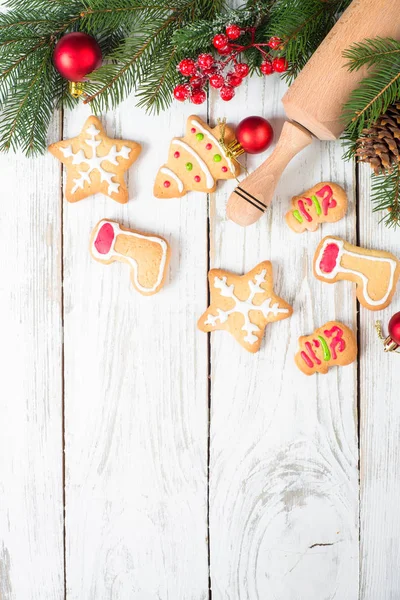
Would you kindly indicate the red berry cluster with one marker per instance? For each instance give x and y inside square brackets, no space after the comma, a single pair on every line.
[226,74]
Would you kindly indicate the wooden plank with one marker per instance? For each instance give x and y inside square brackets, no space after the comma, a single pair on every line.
[379,428]
[283,471]
[31,474]
[136,391]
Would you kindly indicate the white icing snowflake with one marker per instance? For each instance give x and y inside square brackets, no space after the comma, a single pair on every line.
[244,306]
[94,162]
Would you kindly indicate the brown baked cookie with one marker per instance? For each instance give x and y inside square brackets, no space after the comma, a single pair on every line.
[243,305]
[325,202]
[374,271]
[331,345]
[95,163]
[147,255]
[196,161]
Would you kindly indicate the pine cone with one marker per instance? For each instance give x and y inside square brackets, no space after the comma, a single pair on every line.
[379,145]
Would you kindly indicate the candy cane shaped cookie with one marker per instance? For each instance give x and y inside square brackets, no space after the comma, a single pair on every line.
[331,345]
[325,202]
[147,255]
[374,271]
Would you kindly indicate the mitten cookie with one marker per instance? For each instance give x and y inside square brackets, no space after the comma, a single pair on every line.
[325,202]
[147,255]
[196,161]
[95,163]
[374,271]
[243,305]
[330,345]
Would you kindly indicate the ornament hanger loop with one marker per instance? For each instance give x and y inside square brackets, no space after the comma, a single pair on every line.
[389,345]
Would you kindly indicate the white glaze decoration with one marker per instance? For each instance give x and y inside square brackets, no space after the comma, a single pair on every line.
[216,142]
[210,183]
[94,162]
[173,176]
[244,306]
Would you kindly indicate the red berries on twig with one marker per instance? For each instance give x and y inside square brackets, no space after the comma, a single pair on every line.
[225,74]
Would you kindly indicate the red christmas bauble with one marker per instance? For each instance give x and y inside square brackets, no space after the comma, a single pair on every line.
[254,134]
[394,328]
[76,55]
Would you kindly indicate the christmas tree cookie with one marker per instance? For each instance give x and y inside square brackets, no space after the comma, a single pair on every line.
[196,161]
[243,305]
[95,163]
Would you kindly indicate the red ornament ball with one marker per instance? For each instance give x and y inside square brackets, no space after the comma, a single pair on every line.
[233,31]
[234,80]
[220,41]
[205,61]
[226,92]
[198,97]
[394,328]
[274,42]
[76,55]
[181,92]
[242,69]
[216,81]
[254,134]
[266,67]
[280,65]
[187,67]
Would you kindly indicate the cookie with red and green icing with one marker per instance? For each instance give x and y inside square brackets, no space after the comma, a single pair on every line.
[331,345]
[196,161]
[326,202]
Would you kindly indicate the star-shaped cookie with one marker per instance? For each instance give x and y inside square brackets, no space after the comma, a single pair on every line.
[95,163]
[243,305]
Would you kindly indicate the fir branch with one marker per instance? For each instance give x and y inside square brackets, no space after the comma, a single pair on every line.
[385,196]
[376,91]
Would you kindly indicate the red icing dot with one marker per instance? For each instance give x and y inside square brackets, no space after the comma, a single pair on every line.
[197,178]
[329,257]
[209,146]
[224,169]
[193,130]
[176,154]
[104,239]
[167,183]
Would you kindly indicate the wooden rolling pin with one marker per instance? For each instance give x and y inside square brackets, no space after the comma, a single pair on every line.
[314,101]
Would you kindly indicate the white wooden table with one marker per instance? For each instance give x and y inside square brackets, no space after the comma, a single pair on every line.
[141,459]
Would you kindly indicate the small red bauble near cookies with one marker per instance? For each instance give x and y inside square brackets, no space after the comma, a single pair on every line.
[76,55]
[280,65]
[205,61]
[187,67]
[226,92]
[394,328]
[266,68]
[198,97]
[233,32]
[254,134]
[216,81]
[181,92]
[220,41]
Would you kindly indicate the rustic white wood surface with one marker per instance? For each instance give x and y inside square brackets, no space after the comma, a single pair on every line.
[144,460]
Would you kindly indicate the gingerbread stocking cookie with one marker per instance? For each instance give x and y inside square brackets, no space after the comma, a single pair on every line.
[147,255]
[374,271]
[196,161]
[95,163]
[243,305]
[325,202]
[333,344]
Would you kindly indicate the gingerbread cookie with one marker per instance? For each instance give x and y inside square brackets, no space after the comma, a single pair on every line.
[147,255]
[374,271]
[243,305]
[196,161]
[95,163]
[333,344]
[325,202]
